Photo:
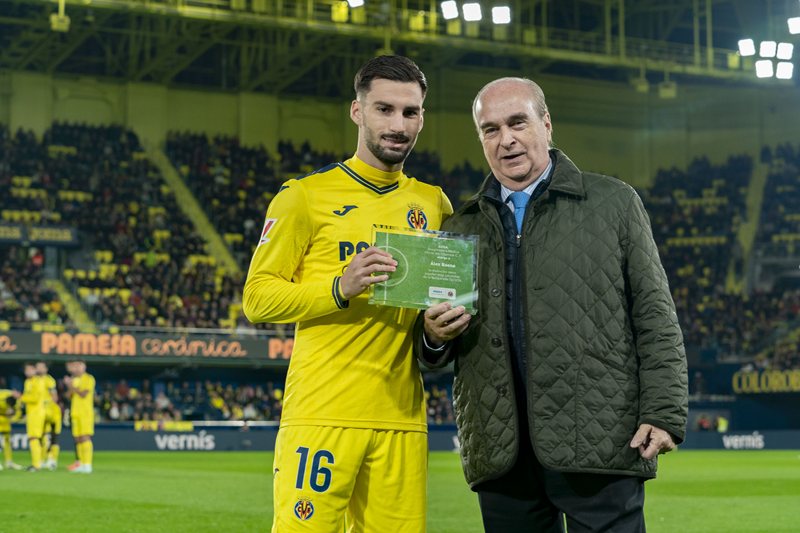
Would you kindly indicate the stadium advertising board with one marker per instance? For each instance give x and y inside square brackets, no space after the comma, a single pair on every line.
[124,437]
[210,436]
[150,346]
[766,381]
[41,235]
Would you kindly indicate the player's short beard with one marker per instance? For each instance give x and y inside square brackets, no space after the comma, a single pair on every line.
[387,157]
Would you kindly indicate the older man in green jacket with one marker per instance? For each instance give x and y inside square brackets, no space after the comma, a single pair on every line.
[571,378]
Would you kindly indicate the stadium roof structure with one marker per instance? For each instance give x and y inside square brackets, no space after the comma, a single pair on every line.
[313,47]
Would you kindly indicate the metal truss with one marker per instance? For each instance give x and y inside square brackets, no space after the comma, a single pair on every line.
[313,46]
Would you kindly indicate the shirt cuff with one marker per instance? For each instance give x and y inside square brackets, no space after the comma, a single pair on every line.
[341,303]
[429,347]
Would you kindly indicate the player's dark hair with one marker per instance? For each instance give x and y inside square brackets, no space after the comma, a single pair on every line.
[393,68]
[11,401]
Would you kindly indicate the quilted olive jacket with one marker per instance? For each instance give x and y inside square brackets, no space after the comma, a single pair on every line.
[604,349]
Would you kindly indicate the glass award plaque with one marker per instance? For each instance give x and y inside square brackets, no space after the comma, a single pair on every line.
[432,267]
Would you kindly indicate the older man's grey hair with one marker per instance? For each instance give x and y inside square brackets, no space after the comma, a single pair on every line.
[536,94]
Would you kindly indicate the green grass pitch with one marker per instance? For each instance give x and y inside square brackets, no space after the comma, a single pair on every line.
[697,491]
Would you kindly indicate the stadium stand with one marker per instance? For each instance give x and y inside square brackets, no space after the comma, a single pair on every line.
[779,226]
[24,300]
[695,216]
[142,264]
[234,184]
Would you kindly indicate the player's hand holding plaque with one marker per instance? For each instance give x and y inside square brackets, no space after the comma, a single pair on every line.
[432,267]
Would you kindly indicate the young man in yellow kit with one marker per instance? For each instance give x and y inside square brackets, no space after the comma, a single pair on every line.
[52,418]
[352,446]
[8,414]
[80,389]
[33,396]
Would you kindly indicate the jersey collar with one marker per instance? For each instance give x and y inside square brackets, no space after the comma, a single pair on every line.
[370,177]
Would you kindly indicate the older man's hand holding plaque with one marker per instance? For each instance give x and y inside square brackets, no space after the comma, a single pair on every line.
[432,267]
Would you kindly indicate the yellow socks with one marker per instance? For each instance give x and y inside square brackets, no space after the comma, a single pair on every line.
[36,452]
[53,455]
[7,448]
[85,450]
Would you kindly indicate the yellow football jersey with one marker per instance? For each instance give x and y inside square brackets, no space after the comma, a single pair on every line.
[34,395]
[82,407]
[351,364]
[50,385]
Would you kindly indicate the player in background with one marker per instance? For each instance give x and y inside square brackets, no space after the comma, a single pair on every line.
[352,446]
[80,390]
[8,414]
[52,418]
[34,397]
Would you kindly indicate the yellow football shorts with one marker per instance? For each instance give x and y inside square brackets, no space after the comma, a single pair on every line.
[52,419]
[330,479]
[34,424]
[5,424]
[82,425]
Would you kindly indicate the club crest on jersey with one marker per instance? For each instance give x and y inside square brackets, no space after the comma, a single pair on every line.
[416,217]
[304,509]
[268,225]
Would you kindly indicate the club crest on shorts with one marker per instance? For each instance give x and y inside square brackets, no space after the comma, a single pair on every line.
[304,509]
[416,217]
[268,225]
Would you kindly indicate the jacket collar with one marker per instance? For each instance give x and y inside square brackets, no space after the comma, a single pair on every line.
[565,178]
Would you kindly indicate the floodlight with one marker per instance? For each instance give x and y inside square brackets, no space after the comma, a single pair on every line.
[794,25]
[472,12]
[785,51]
[784,70]
[764,68]
[747,47]
[449,10]
[355,3]
[767,48]
[501,15]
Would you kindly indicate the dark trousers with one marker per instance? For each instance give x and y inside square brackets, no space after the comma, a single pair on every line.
[533,499]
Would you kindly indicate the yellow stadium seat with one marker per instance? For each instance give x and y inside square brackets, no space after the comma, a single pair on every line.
[124,295]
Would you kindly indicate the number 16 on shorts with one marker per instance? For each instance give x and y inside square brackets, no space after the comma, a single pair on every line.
[318,477]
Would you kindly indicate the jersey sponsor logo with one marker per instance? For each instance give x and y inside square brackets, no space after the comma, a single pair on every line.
[268,225]
[416,217]
[344,210]
[347,248]
[304,509]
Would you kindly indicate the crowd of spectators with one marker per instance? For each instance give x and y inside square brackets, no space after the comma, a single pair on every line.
[783,355]
[695,216]
[150,275]
[779,227]
[121,400]
[154,269]
[24,299]
[234,184]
